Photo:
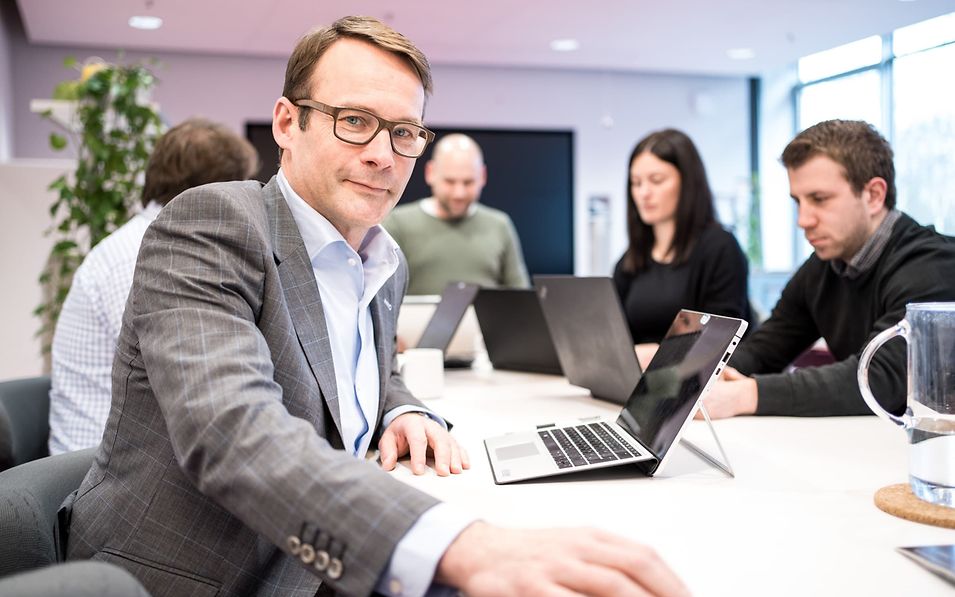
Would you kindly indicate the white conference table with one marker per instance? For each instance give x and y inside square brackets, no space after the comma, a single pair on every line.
[798,519]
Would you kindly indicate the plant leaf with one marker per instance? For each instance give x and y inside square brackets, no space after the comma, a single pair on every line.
[64,245]
[57,142]
[117,129]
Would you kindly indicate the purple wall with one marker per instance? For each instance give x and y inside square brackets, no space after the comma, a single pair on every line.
[608,112]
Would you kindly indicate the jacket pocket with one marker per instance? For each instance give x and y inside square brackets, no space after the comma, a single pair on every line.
[160,579]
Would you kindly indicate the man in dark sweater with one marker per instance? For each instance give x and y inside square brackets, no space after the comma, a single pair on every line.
[870,261]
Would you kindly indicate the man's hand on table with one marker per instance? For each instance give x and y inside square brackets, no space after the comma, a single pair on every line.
[412,433]
[487,560]
[733,394]
[645,353]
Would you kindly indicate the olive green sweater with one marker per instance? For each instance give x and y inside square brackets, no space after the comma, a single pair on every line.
[481,248]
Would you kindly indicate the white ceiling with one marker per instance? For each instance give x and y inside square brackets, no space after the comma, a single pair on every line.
[678,36]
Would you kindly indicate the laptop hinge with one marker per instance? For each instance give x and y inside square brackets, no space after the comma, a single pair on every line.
[723,465]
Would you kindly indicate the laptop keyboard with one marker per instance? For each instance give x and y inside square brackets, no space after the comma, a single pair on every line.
[585,444]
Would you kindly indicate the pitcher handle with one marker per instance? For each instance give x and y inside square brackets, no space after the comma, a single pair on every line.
[900,329]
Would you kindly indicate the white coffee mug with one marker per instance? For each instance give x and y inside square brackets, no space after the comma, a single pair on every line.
[422,370]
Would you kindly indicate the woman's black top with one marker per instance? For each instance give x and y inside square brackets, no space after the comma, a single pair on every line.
[714,280]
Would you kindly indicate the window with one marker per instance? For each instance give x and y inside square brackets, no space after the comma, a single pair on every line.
[925,35]
[924,132]
[843,59]
[853,97]
[901,84]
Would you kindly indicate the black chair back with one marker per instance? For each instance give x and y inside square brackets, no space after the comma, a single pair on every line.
[24,420]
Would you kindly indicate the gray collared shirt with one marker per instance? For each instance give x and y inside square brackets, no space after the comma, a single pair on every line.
[870,251]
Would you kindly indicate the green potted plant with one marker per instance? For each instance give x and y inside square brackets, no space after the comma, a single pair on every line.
[112,128]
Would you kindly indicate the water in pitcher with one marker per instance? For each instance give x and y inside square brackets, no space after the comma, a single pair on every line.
[932,459]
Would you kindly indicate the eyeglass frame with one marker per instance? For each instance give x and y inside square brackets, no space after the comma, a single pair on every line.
[383,123]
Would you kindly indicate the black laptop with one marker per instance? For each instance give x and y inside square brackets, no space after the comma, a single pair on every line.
[455,300]
[591,335]
[515,332]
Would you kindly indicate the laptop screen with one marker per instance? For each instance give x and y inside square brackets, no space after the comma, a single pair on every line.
[590,334]
[514,330]
[455,300]
[676,377]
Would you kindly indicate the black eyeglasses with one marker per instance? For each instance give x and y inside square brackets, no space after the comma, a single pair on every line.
[359,127]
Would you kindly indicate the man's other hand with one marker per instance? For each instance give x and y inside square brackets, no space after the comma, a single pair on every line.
[412,433]
[485,560]
[733,394]
[645,353]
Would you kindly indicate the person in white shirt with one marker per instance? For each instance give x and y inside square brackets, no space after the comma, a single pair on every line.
[193,153]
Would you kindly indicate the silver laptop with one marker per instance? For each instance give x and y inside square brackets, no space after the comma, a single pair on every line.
[691,356]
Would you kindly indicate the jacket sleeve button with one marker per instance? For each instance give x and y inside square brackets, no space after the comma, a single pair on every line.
[335,569]
[321,560]
[307,554]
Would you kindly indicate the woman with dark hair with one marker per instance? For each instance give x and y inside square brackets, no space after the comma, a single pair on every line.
[679,257]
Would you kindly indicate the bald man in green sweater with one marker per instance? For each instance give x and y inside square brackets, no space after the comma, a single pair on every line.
[450,237]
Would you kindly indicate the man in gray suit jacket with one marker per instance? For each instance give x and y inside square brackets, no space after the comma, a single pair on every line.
[256,366]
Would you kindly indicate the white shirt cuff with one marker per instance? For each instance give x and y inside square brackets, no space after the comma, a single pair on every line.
[393,414]
[412,566]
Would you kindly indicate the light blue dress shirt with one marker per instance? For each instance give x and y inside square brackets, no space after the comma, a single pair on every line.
[348,280]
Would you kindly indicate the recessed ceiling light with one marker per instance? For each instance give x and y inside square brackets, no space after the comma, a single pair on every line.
[741,53]
[145,22]
[564,45]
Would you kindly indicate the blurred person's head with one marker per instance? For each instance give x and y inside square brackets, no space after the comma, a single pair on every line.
[842,178]
[193,153]
[666,186]
[353,75]
[456,174]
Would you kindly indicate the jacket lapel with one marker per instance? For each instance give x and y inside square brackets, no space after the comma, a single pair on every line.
[382,317]
[301,295]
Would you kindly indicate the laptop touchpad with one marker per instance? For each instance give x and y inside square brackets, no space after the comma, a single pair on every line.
[516,451]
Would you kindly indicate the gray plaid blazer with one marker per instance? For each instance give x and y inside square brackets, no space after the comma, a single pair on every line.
[221,470]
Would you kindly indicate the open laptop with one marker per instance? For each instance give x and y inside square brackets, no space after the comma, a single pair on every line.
[691,356]
[590,334]
[449,312]
[417,310]
[515,333]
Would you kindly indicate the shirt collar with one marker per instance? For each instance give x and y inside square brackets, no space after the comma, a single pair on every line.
[377,250]
[430,207]
[870,251]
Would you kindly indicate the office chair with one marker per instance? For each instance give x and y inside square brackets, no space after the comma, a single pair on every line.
[73,579]
[30,496]
[31,542]
[24,420]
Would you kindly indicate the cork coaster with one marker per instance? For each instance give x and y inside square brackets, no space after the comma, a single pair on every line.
[898,500]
